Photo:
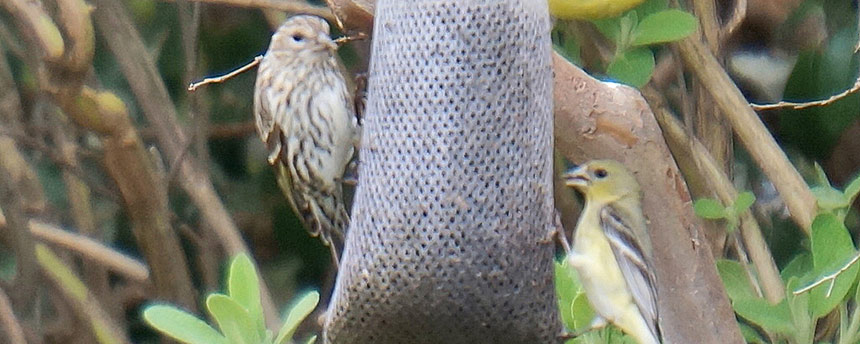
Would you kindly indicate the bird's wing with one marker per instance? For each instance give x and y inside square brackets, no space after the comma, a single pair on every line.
[270,104]
[634,263]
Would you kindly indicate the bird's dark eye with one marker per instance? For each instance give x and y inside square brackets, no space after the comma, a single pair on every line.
[297,37]
[601,173]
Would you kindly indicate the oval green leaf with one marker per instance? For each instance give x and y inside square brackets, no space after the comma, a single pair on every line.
[664,26]
[832,248]
[744,201]
[244,288]
[735,279]
[180,325]
[710,209]
[298,312]
[232,319]
[828,198]
[633,67]
[773,318]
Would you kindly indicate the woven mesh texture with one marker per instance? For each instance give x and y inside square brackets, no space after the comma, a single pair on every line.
[449,235]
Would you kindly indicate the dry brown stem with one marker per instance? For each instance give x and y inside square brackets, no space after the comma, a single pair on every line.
[91,250]
[9,322]
[751,131]
[128,163]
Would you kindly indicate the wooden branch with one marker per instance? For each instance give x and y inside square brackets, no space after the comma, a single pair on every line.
[751,131]
[144,196]
[73,16]
[79,198]
[91,250]
[9,322]
[35,24]
[695,160]
[606,120]
[21,243]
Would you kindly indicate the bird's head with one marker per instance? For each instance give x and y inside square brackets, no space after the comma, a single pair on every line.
[602,180]
[303,33]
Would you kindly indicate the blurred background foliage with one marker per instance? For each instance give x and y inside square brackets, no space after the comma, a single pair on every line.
[783,49]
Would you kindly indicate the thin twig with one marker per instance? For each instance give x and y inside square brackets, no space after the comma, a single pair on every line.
[346,39]
[91,249]
[10,324]
[225,77]
[804,105]
[737,17]
[337,20]
[830,277]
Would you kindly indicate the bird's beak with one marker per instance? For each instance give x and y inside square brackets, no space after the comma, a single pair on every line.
[576,177]
[328,42]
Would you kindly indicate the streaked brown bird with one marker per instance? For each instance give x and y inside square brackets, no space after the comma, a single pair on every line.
[305,114]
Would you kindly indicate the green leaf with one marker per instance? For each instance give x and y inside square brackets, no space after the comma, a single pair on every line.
[566,45]
[582,312]
[664,26]
[233,319]
[820,176]
[735,279]
[633,67]
[298,312]
[627,24]
[798,267]
[180,325]
[829,199]
[744,201]
[650,7]
[566,287]
[244,288]
[710,209]
[610,28]
[576,312]
[773,318]
[311,340]
[751,335]
[832,248]
[803,322]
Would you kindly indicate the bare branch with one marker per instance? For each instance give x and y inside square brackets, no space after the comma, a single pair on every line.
[92,250]
[219,79]
[803,105]
[10,324]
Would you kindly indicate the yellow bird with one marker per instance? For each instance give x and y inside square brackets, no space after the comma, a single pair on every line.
[612,251]
[590,9]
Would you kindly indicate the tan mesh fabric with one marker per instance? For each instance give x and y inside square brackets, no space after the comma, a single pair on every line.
[449,235]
